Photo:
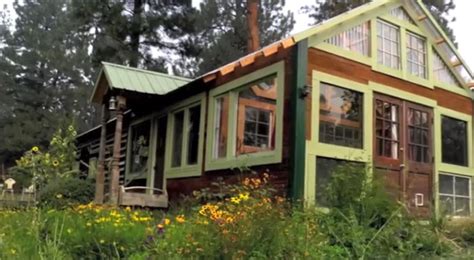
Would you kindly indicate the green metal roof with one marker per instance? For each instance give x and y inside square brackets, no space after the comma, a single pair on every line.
[137,80]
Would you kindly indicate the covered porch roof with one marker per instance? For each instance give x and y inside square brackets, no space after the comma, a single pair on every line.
[118,77]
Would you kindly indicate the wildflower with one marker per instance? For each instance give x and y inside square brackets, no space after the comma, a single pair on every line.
[59,196]
[70,128]
[55,163]
[235,200]
[88,224]
[244,196]
[128,209]
[102,241]
[35,149]
[160,226]
[69,231]
[167,221]
[180,219]
[13,251]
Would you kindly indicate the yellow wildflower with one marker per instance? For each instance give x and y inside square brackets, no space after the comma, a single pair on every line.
[128,209]
[160,226]
[88,224]
[59,196]
[235,200]
[102,241]
[180,219]
[244,196]
[69,231]
[167,221]
[13,251]
[35,149]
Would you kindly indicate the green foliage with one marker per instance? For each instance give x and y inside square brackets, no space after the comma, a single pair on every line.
[64,192]
[56,162]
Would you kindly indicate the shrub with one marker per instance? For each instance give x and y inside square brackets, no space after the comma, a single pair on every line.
[63,192]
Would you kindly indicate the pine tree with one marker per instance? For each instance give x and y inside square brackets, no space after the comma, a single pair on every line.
[220,32]
[324,10]
[44,75]
[131,32]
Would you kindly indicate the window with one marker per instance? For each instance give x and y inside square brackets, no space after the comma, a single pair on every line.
[388,45]
[416,55]
[246,120]
[325,168]
[186,125]
[387,128]
[455,195]
[441,71]
[256,117]
[356,39]
[401,14]
[454,141]
[220,129]
[139,147]
[419,135]
[340,116]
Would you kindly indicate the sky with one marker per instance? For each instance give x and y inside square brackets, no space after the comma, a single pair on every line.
[462,26]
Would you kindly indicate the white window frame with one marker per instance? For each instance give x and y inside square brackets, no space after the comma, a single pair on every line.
[454,196]
[382,50]
[415,63]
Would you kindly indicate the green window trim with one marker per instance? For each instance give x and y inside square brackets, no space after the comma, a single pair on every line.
[259,158]
[185,169]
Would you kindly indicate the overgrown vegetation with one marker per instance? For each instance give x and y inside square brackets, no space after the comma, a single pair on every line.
[245,220]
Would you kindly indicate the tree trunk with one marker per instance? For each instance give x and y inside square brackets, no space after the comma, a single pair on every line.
[253,42]
[135,33]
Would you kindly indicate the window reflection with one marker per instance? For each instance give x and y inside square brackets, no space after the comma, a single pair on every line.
[140,146]
[454,141]
[340,116]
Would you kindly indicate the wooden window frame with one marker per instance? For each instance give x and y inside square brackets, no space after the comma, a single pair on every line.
[424,52]
[232,158]
[243,103]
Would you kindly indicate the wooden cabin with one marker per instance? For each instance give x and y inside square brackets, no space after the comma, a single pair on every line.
[381,85]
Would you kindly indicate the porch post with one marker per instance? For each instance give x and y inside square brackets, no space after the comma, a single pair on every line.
[100,176]
[114,180]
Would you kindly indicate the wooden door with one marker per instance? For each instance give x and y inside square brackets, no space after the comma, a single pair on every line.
[403,151]
[160,153]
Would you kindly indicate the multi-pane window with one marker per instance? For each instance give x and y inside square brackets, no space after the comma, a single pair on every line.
[455,195]
[140,141]
[340,116]
[416,55]
[387,129]
[356,39]
[185,134]
[256,117]
[454,141]
[441,72]
[388,45]
[419,135]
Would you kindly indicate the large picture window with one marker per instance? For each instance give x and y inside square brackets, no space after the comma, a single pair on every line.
[388,45]
[416,55]
[340,116]
[245,124]
[325,170]
[454,141]
[455,195]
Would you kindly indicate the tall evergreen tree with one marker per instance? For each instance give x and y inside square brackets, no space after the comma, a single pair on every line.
[44,73]
[131,32]
[324,10]
[220,31]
